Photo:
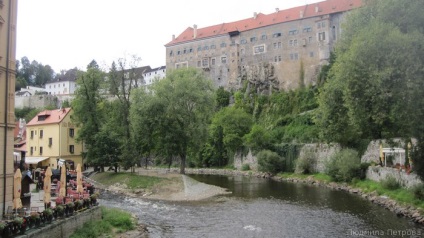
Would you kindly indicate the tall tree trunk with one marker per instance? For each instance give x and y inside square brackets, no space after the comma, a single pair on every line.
[182,166]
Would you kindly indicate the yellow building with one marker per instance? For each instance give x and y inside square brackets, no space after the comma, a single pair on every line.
[8,19]
[51,140]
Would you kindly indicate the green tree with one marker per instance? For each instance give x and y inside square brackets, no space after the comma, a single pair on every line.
[222,98]
[184,103]
[88,113]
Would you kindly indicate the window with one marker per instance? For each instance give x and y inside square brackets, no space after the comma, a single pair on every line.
[321,24]
[199,48]
[223,44]
[310,39]
[275,35]
[206,47]
[259,49]
[275,59]
[307,29]
[199,63]
[71,132]
[71,149]
[263,37]
[41,150]
[224,59]
[321,36]
[50,141]
[243,41]
[32,134]
[205,62]
[31,150]
[171,53]
[191,50]
[290,42]
[253,39]
[279,58]
[213,46]
[294,56]
[213,61]
[178,52]
[293,32]
[41,133]
[295,42]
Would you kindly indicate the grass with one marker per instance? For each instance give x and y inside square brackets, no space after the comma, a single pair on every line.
[133,181]
[114,221]
[402,195]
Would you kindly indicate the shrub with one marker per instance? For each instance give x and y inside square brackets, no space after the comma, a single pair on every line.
[418,191]
[344,165]
[245,167]
[306,163]
[270,161]
[390,183]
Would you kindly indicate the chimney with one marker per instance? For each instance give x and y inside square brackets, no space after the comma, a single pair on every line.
[277,9]
[301,14]
[194,31]
[316,8]
[255,15]
[173,37]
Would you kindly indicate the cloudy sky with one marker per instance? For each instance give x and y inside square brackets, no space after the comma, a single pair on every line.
[70,33]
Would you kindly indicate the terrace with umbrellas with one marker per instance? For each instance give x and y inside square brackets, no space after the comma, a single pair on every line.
[43,197]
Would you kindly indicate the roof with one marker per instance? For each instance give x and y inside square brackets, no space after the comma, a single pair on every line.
[49,117]
[155,69]
[262,20]
[20,93]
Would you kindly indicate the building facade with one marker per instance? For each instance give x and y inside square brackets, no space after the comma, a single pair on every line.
[152,75]
[8,21]
[50,137]
[282,50]
[61,87]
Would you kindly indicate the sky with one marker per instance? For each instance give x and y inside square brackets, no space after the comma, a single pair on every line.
[71,33]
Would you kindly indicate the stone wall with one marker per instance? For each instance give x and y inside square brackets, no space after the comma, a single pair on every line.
[65,227]
[249,159]
[321,152]
[36,101]
[378,173]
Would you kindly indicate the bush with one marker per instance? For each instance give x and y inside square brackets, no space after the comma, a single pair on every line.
[344,165]
[390,183]
[245,167]
[306,163]
[418,191]
[270,161]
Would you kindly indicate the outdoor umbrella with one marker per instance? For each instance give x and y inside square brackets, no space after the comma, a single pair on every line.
[381,154]
[17,180]
[80,189]
[47,185]
[62,191]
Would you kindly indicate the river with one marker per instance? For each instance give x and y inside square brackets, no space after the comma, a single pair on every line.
[266,208]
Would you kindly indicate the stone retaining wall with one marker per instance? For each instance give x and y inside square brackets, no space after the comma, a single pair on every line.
[63,228]
[378,173]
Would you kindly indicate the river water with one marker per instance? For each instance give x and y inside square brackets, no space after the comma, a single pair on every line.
[266,208]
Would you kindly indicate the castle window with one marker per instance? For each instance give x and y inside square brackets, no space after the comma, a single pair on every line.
[307,29]
[191,50]
[206,47]
[293,32]
[333,32]
[321,36]
[223,44]
[224,59]
[243,41]
[275,35]
[263,37]
[178,52]
[259,49]
[253,39]
[205,62]
[213,61]
[310,39]
[199,48]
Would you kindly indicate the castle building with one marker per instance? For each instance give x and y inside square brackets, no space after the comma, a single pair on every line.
[282,50]
[8,21]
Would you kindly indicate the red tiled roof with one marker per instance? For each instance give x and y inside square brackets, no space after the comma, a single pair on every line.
[261,20]
[51,117]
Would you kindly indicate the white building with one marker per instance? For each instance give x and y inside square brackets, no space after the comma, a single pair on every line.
[61,87]
[154,74]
